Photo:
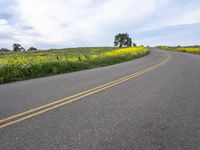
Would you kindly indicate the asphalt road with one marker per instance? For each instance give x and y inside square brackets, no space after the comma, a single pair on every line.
[157,109]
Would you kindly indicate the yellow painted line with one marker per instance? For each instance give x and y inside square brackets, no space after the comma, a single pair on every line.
[67,98]
[39,110]
[58,101]
[64,99]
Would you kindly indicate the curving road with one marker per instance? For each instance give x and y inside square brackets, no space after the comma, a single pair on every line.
[149,103]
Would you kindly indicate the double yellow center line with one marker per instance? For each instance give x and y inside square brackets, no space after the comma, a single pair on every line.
[39,110]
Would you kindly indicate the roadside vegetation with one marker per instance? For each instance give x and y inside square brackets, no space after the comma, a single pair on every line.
[187,49]
[20,65]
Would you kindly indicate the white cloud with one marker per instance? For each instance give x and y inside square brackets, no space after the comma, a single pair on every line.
[6,32]
[59,22]
[176,14]
[62,23]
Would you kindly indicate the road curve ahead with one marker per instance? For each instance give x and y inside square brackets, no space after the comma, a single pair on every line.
[148,103]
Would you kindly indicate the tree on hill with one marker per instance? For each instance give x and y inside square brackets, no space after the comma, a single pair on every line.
[123,39]
[22,49]
[16,47]
[32,49]
[4,50]
[129,42]
[134,45]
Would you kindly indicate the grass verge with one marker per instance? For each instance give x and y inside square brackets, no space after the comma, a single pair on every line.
[187,49]
[15,66]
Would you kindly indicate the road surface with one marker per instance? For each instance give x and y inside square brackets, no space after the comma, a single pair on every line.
[148,103]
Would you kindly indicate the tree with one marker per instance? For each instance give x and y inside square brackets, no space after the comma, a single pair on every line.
[134,45]
[129,42]
[32,49]
[16,47]
[123,39]
[22,49]
[4,50]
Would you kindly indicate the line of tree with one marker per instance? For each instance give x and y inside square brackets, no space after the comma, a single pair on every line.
[4,50]
[123,40]
[18,47]
[32,49]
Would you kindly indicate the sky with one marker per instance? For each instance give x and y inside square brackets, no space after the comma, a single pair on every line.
[78,23]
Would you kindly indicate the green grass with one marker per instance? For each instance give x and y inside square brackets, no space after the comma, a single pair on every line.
[15,66]
[187,49]
[58,52]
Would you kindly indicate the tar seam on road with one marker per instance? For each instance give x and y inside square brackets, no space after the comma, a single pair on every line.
[39,110]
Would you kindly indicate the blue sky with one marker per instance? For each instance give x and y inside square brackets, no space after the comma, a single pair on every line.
[69,23]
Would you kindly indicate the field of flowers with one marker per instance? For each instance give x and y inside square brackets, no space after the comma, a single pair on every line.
[16,66]
[189,49]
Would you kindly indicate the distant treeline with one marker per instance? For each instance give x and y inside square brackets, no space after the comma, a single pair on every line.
[16,48]
[121,40]
[4,50]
